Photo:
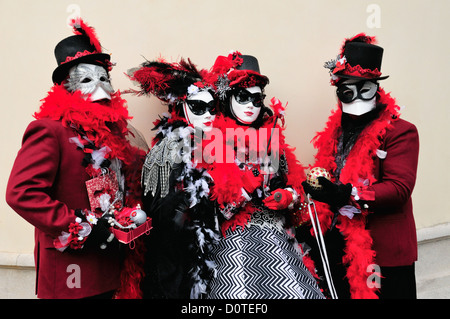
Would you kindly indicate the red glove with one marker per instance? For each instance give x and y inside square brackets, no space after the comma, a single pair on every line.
[280,199]
[250,181]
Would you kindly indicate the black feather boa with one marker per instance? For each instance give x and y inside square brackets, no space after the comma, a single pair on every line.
[185,228]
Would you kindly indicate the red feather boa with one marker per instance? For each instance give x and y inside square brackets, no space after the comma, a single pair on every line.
[227,182]
[359,168]
[95,120]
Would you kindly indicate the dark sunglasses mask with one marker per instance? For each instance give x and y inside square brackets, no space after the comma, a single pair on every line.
[199,107]
[364,90]
[243,97]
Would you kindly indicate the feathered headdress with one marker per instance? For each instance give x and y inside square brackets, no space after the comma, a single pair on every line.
[169,82]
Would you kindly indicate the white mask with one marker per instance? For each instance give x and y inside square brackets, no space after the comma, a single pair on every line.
[198,108]
[362,95]
[359,107]
[244,106]
[91,80]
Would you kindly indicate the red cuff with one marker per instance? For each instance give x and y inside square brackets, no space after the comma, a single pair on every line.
[365,194]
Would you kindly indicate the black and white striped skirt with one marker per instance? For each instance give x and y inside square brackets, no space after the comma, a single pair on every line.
[261,261]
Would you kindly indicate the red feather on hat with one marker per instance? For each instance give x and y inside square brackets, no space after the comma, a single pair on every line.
[81,28]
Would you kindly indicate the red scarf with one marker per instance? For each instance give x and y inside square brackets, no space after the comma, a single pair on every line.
[227,183]
[358,171]
[104,125]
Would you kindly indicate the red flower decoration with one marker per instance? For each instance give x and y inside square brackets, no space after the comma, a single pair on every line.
[74,228]
[76,244]
[340,65]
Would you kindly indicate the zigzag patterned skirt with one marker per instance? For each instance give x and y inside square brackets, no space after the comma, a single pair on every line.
[261,261]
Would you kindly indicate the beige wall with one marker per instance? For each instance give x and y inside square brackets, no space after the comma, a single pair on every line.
[292,40]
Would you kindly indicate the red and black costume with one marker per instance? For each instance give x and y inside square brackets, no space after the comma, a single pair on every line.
[373,160]
[176,188]
[258,192]
[71,142]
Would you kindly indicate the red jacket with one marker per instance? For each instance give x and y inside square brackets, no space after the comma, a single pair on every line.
[391,222]
[46,185]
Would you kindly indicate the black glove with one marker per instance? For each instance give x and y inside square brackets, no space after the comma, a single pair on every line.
[100,235]
[336,195]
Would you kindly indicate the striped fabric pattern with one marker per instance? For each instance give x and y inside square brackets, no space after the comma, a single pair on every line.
[260,262]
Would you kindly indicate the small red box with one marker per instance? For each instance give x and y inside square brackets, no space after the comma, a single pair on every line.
[128,236]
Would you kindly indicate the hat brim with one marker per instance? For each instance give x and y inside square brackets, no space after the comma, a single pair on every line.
[61,72]
[239,78]
[352,77]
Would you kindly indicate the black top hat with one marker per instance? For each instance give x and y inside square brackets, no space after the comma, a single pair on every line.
[83,47]
[74,50]
[367,56]
[251,66]
[250,63]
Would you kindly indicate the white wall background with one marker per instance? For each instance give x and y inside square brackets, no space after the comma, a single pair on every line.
[291,39]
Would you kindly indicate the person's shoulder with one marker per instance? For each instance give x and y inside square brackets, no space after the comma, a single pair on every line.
[46,128]
[403,125]
[401,128]
[46,123]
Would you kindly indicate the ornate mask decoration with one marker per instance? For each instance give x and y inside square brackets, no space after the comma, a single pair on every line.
[91,80]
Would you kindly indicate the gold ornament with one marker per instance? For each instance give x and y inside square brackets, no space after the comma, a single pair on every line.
[314,173]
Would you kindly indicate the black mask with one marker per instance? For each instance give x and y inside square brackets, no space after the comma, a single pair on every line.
[199,107]
[364,90]
[243,97]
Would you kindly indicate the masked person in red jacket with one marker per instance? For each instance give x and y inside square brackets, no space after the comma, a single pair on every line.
[75,164]
[365,210]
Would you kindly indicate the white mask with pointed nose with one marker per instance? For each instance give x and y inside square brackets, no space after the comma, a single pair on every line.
[91,80]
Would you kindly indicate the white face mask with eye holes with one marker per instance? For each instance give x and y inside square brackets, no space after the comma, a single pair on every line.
[91,80]
[357,97]
[199,110]
[246,104]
